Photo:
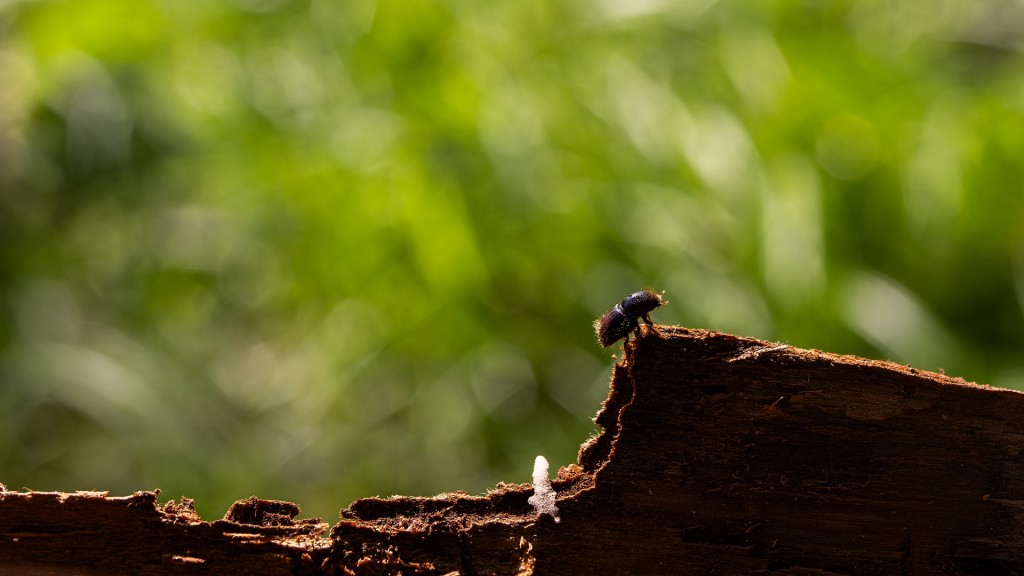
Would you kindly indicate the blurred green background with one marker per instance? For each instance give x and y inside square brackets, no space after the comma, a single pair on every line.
[320,250]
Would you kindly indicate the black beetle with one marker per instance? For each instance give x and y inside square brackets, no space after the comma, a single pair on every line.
[618,322]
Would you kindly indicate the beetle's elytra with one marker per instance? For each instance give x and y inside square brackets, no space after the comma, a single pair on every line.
[624,318]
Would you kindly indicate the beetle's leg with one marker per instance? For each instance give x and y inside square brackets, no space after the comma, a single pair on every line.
[647,320]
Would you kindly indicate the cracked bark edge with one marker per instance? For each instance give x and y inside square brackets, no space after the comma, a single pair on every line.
[93,533]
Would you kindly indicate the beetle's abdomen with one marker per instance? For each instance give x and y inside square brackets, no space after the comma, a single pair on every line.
[614,326]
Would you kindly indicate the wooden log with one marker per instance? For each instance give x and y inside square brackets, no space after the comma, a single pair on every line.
[719,455]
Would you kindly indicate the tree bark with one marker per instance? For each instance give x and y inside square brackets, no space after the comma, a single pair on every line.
[719,455]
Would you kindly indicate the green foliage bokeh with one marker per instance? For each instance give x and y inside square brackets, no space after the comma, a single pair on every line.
[318,250]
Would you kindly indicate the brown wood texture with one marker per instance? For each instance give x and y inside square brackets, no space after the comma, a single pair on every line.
[87,533]
[719,455]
